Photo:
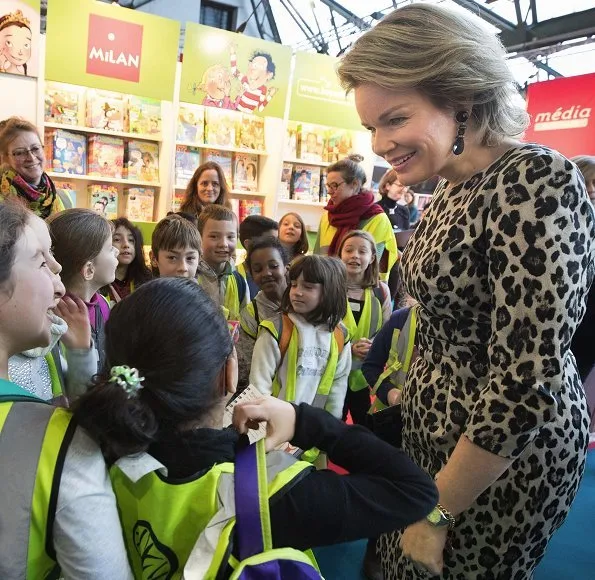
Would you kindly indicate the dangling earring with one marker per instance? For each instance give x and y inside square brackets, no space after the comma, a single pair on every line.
[459,145]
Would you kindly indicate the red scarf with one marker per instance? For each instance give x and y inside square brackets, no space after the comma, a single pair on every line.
[349,214]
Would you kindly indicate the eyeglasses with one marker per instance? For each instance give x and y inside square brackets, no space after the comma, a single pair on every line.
[334,186]
[23,153]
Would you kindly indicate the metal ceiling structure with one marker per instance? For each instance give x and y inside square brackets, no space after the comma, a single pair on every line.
[528,36]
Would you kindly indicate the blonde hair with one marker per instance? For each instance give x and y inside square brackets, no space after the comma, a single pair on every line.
[449,57]
[10,129]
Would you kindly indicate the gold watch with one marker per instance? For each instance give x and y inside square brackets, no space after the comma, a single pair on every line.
[440,517]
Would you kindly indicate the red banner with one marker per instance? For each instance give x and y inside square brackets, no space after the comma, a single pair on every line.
[562,114]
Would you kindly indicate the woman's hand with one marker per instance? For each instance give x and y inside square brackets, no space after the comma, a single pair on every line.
[74,312]
[279,416]
[360,348]
[423,544]
[394,397]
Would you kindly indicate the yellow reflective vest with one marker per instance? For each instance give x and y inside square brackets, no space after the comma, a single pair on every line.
[399,357]
[370,322]
[378,226]
[34,437]
[166,523]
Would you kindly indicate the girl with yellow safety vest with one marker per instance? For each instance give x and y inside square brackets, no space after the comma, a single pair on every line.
[132,269]
[267,262]
[303,355]
[160,420]
[82,243]
[368,308]
[57,509]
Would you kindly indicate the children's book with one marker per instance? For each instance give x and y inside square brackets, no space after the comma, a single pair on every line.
[144,115]
[221,127]
[139,203]
[106,156]
[245,173]
[339,144]
[66,152]
[285,185]
[292,140]
[302,182]
[312,142]
[252,132]
[142,160]
[66,191]
[187,160]
[191,123]
[224,159]
[106,110]
[315,185]
[235,206]
[323,190]
[250,207]
[104,200]
[177,199]
[63,103]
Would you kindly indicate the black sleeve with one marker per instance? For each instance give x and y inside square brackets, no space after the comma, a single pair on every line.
[384,490]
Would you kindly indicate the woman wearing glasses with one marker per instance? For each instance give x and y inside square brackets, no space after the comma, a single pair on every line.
[352,208]
[208,185]
[22,175]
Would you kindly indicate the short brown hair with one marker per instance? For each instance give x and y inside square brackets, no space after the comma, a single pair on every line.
[331,273]
[302,245]
[372,271]
[173,232]
[586,165]
[10,129]
[216,212]
[78,236]
[191,203]
[387,180]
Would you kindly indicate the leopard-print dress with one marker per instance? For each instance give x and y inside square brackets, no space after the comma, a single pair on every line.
[501,266]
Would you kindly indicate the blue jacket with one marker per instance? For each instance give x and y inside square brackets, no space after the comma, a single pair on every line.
[377,356]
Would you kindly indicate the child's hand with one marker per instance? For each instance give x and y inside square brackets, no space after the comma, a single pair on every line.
[279,416]
[360,348]
[74,312]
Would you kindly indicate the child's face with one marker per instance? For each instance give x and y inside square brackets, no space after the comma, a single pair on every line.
[105,264]
[269,272]
[181,262]
[219,240]
[357,256]
[208,186]
[290,230]
[123,241]
[37,288]
[304,296]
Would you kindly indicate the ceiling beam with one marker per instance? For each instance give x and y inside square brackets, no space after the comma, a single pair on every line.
[547,68]
[487,15]
[347,14]
[552,31]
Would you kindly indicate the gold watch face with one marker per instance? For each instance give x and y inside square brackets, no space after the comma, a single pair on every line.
[436,517]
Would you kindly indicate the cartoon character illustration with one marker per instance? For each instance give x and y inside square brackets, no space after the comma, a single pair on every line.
[216,83]
[15,43]
[109,115]
[256,94]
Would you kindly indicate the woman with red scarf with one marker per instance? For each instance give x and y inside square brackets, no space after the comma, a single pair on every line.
[352,208]
[22,175]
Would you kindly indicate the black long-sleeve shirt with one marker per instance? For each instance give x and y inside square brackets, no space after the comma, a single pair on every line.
[384,490]
[397,214]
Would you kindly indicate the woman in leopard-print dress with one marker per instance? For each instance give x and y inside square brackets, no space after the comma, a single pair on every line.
[501,265]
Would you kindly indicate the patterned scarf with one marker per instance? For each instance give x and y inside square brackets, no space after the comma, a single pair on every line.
[39,200]
[349,214]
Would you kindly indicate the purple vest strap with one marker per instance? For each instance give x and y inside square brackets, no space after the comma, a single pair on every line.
[246,493]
